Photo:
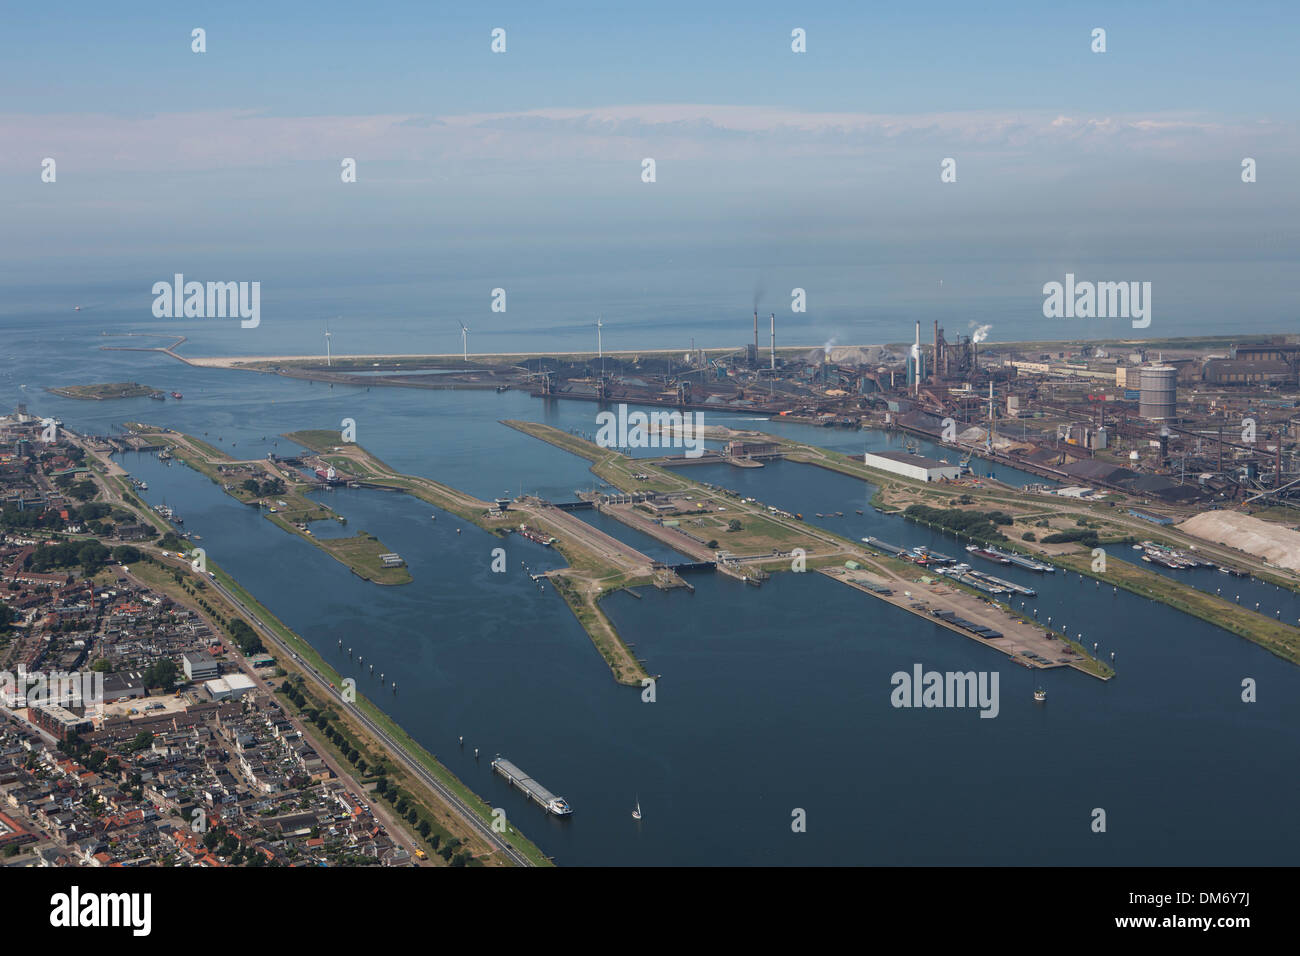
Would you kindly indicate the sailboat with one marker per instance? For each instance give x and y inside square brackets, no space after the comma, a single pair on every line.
[636,813]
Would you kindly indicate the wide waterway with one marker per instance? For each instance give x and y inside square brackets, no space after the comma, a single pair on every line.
[771,699]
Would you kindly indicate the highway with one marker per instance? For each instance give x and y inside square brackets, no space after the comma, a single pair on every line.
[397,750]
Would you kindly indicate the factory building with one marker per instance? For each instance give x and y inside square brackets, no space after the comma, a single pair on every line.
[1246,372]
[911,466]
[232,686]
[1159,390]
[749,449]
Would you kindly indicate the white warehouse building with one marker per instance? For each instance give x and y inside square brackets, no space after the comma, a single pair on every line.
[232,686]
[911,466]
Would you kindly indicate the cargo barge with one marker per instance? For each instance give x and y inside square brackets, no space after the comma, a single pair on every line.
[535,791]
[1021,561]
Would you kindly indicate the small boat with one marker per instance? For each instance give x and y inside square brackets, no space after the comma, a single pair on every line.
[636,812]
[177,395]
[1040,695]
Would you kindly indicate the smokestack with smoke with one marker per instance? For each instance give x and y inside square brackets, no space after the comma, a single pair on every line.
[773,317]
[981,333]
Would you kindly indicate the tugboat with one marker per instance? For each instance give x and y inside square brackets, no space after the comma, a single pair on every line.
[1040,695]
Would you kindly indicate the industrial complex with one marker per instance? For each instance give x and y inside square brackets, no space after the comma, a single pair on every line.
[1186,421]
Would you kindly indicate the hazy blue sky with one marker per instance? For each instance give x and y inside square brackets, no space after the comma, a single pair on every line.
[168,160]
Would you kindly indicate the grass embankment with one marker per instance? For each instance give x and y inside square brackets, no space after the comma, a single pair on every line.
[312,658]
[583,600]
[1274,636]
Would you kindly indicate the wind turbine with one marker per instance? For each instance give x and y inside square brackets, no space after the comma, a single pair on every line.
[464,348]
[600,347]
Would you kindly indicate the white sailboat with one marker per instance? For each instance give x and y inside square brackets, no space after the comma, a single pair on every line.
[636,813]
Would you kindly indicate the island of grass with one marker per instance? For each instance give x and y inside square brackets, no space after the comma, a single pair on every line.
[282,494]
[105,391]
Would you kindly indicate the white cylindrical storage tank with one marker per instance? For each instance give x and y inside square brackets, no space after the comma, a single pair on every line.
[1159,390]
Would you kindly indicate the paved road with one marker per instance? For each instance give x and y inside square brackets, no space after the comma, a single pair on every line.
[400,753]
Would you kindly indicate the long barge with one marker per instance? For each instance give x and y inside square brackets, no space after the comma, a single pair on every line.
[535,791]
[886,547]
[1021,561]
[1003,583]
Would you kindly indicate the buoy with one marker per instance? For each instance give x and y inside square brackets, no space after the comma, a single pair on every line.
[462,740]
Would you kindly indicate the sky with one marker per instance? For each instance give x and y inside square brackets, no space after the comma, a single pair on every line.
[475,162]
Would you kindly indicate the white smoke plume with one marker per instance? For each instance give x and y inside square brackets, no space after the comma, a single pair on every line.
[981,333]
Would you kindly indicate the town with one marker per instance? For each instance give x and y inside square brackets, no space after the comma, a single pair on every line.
[144,722]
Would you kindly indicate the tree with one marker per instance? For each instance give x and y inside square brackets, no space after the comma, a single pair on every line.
[83,490]
[733,525]
[92,556]
[126,554]
[162,674]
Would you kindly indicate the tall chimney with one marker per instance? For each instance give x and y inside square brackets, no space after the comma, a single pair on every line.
[756,336]
[916,362]
[773,341]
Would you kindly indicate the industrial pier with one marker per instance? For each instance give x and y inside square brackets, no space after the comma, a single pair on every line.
[549,801]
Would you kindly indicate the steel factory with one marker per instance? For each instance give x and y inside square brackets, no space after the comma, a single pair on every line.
[1210,420]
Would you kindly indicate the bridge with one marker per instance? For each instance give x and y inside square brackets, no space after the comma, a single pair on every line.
[572,505]
[690,566]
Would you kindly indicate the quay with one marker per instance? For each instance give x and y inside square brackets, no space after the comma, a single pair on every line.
[535,791]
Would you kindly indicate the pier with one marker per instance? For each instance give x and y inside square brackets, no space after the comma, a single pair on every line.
[535,791]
